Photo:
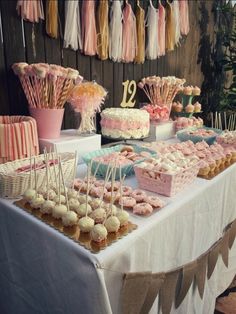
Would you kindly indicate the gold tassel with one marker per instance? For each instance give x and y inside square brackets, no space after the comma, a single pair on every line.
[52,18]
[170,27]
[140,26]
[102,30]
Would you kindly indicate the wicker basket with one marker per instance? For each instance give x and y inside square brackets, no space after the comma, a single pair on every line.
[166,184]
[13,184]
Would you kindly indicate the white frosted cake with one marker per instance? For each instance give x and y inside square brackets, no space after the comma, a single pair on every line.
[125,123]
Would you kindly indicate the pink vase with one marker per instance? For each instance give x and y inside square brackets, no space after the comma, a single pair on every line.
[48,122]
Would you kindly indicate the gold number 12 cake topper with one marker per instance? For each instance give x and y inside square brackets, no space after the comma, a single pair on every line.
[130,88]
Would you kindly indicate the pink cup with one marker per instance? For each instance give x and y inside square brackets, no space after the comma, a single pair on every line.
[49,121]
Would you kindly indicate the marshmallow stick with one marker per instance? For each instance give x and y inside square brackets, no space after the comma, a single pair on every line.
[94,175]
[47,177]
[64,185]
[75,168]
[87,191]
[107,177]
[59,181]
[219,119]
[55,173]
[121,189]
[35,177]
[84,178]
[30,170]
[216,120]
[49,169]
[225,120]
[112,190]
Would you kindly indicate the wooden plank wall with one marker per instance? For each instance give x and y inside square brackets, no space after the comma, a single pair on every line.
[24,41]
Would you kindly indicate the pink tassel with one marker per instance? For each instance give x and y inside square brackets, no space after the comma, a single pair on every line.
[30,10]
[129,34]
[161,30]
[184,17]
[89,33]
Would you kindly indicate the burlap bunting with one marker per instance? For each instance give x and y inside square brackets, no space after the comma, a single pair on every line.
[155,285]
[134,291]
[187,275]
[141,289]
[200,274]
[168,291]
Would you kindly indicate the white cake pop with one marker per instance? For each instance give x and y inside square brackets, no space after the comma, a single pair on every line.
[37,201]
[110,209]
[47,206]
[95,203]
[64,190]
[70,218]
[73,204]
[51,194]
[123,217]
[59,211]
[29,195]
[81,210]
[98,233]
[82,198]
[58,199]
[72,193]
[98,215]
[112,224]
[86,224]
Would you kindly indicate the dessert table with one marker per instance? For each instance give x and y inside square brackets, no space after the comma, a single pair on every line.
[42,271]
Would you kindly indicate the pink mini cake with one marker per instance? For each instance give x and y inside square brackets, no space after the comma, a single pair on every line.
[125,123]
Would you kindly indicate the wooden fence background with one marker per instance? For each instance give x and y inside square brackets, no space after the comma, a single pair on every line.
[23,41]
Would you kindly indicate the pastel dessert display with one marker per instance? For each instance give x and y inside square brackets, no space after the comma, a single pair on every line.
[18,138]
[227,138]
[167,174]
[213,158]
[124,156]
[198,134]
[184,122]
[121,123]
[161,92]
[47,88]
[87,98]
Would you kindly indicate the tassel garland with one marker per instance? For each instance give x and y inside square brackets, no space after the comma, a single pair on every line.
[176,22]
[31,11]
[52,18]
[89,33]
[140,26]
[170,27]
[152,32]
[115,33]
[129,38]
[103,30]
[184,17]
[72,34]
[161,30]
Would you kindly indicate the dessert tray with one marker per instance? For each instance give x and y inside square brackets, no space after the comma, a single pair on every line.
[125,169]
[189,134]
[74,233]
[213,174]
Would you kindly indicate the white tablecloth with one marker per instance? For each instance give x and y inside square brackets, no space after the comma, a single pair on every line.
[44,272]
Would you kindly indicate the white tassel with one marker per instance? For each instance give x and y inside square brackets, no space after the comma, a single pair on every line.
[72,34]
[152,32]
[177,22]
[115,32]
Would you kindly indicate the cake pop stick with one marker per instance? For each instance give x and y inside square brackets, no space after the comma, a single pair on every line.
[84,178]
[74,172]
[59,181]
[47,177]
[87,192]
[30,170]
[225,120]
[63,182]
[220,123]
[35,177]
[107,177]
[230,122]
[212,123]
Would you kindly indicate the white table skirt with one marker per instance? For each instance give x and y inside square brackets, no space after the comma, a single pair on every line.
[44,272]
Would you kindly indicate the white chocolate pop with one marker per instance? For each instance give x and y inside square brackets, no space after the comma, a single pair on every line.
[70,218]
[82,199]
[98,233]
[29,195]
[123,217]
[73,204]
[63,190]
[99,215]
[47,206]
[86,224]
[37,201]
[112,224]
[81,210]
[57,199]
[51,194]
[95,203]
[59,211]
[110,209]
[72,193]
